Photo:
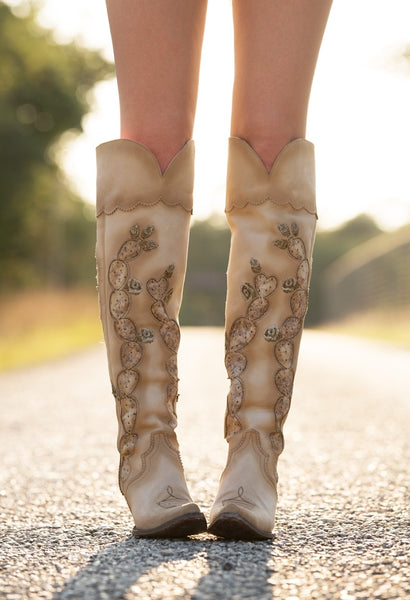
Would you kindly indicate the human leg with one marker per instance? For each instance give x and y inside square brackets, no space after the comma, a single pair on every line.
[157,48]
[271,211]
[276,49]
[144,203]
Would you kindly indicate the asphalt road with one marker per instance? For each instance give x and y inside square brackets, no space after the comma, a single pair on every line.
[343,527]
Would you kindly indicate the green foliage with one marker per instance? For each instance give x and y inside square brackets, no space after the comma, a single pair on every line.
[329,246]
[205,284]
[43,93]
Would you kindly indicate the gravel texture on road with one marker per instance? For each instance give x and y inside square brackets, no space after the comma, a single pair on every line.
[342,528]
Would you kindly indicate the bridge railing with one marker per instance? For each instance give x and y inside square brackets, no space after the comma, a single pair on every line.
[374,275]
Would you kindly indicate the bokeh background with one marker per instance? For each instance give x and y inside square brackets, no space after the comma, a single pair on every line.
[58,100]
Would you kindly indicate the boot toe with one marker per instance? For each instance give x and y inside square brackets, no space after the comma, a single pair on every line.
[182,522]
[238,523]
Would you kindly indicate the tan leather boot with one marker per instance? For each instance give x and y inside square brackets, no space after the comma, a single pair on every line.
[142,238]
[272,217]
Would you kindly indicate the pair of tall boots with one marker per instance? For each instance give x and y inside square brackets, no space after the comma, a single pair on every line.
[143,218]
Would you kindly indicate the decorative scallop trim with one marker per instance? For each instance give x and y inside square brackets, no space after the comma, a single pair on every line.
[129,175]
[244,203]
[130,208]
[291,181]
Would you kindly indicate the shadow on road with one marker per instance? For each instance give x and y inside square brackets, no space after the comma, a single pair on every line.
[139,568]
[348,544]
[236,570]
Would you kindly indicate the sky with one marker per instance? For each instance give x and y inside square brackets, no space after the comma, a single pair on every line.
[358,117]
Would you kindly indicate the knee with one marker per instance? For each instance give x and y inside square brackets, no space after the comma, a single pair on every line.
[268,142]
[164,135]
[268,131]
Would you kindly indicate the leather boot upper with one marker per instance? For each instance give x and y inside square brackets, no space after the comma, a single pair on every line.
[272,216]
[143,220]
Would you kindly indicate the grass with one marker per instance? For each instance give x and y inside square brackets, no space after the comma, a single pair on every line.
[36,326]
[391,326]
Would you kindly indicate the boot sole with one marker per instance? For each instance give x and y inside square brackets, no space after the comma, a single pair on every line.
[189,524]
[233,526]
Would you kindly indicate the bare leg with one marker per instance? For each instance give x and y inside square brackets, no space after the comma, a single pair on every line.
[157,48]
[276,48]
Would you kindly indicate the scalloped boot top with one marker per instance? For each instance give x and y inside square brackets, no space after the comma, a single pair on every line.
[272,216]
[143,218]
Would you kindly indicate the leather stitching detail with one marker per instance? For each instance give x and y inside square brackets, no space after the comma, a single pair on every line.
[130,208]
[123,289]
[291,328]
[241,333]
[239,205]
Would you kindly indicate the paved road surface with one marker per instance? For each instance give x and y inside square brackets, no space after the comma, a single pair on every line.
[343,529]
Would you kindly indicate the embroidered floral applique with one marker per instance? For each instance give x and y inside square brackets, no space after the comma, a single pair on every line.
[239,499]
[123,288]
[161,293]
[283,335]
[241,333]
[171,501]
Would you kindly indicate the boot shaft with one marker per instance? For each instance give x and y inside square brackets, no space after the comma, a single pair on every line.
[143,221]
[272,217]
[142,238]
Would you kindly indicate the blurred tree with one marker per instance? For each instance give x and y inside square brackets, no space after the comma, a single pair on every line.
[46,231]
[329,246]
[205,284]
